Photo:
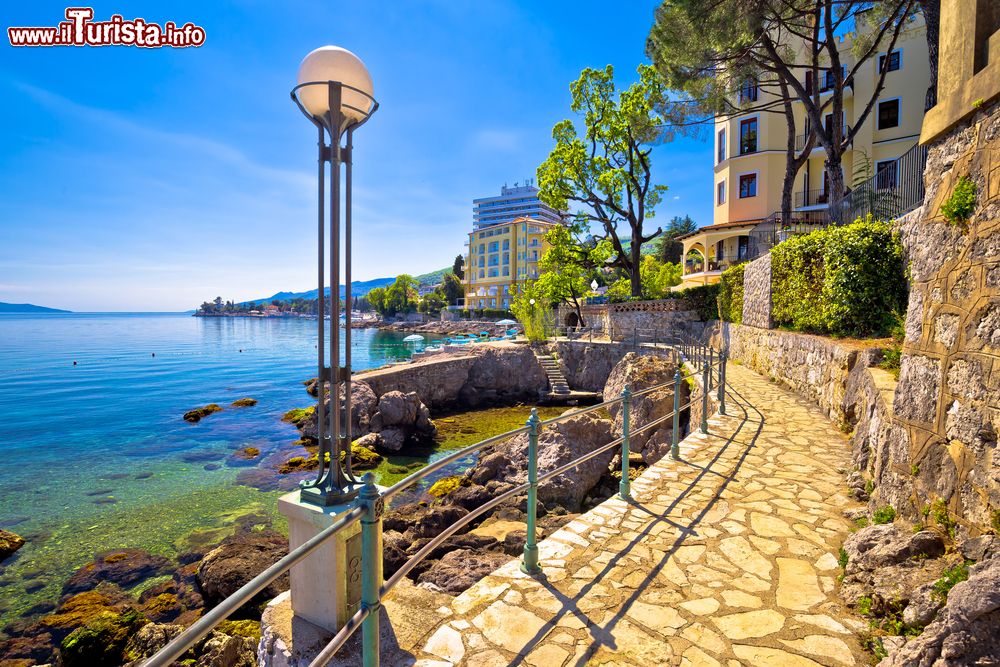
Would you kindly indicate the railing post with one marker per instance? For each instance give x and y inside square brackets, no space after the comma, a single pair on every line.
[529,565]
[371,567]
[675,434]
[722,382]
[705,374]
[624,487]
[710,359]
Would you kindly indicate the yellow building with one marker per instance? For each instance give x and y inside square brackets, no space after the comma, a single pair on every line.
[501,258]
[749,156]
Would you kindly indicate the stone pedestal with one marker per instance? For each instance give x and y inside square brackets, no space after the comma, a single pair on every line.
[326,585]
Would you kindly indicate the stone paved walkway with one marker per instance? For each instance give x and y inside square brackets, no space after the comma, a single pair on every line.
[725,558]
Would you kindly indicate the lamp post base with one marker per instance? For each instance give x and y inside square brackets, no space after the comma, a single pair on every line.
[328,497]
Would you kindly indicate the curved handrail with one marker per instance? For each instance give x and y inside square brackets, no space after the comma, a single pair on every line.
[701,364]
[185,640]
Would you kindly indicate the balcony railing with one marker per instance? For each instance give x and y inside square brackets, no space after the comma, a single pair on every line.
[800,140]
[811,198]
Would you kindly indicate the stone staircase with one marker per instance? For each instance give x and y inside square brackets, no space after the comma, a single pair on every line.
[557,381]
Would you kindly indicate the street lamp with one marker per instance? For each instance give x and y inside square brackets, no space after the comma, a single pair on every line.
[593,285]
[334,92]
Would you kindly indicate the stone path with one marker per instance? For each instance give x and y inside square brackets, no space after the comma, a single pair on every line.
[728,557]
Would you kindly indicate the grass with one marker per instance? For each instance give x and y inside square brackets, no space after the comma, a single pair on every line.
[949,578]
[939,512]
[882,515]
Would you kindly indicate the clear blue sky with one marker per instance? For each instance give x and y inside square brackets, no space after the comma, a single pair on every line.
[153,179]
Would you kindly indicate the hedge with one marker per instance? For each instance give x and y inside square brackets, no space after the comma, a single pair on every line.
[731,294]
[847,281]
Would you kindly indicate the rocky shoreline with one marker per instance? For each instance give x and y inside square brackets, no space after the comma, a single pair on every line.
[125,604]
[445,328]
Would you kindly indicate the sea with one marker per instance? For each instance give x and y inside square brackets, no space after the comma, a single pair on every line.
[95,455]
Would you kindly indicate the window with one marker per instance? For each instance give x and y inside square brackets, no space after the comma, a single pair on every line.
[506,258]
[828,79]
[888,114]
[494,246]
[482,260]
[482,248]
[743,248]
[720,250]
[886,172]
[482,273]
[722,146]
[748,92]
[506,270]
[894,61]
[748,136]
[748,186]
[506,244]
[720,193]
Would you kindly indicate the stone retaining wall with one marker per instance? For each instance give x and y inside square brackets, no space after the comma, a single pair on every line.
[486,374]
[757,293]
[948,399]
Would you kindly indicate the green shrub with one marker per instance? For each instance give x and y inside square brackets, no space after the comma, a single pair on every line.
[703,299]
[845,281]
[884,515]
[959,207]
[843,558]
[949,578]
[731,294]
[939,512]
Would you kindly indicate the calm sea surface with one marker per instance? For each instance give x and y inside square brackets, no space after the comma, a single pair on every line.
[96,456]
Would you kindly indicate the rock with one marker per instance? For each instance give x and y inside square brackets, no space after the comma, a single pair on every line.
[392,439]
[398,408]
[879,546]
[558,444]
[125,567]
[76,610]
[102,640]
[244,403]
[364,404]
[247,453]
[639,373]
[148,640]
[222,650]
[238,560]
[372,441]
[9,543]
[923,606]
[198,414]
[36,649]
[980,548]
[163,607]
[417,520]
[460,569]
[965,631]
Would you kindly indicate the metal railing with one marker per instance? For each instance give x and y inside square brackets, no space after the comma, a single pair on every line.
[695,360]
[888,195]
[811,198]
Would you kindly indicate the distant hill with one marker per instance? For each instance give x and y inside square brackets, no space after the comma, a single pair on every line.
[28,308]
[358,287]
[432,278]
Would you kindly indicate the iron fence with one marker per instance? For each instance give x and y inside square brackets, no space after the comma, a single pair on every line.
[694,360]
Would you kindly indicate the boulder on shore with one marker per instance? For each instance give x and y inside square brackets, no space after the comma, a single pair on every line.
[124,567]
[239,559]
[244,403]
[197,414]
[9,543]
[558,444]
[639,373]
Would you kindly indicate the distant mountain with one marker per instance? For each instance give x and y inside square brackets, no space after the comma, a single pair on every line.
[433,277]
[358,287]
[28,308]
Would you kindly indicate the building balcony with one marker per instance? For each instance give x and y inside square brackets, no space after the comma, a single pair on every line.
[800,140]
[806,198]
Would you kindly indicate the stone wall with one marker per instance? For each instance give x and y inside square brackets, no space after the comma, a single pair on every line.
[757,293]
[484,374]
[587,365]
[625,323]
[948,399]
[814,367]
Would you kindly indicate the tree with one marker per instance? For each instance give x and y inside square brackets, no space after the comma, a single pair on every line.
[458,268]
[670,249]
[377,298]
[781,47]
[569,265]
[607,170]
[529,307]
[402,296]
[451,288]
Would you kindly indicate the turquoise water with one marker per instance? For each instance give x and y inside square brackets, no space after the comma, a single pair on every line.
[96,456]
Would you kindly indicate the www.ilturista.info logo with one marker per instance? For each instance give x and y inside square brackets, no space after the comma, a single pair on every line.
[81,30]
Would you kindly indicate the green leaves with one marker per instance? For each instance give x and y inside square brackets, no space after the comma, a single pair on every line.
[731,294]
[846,281]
